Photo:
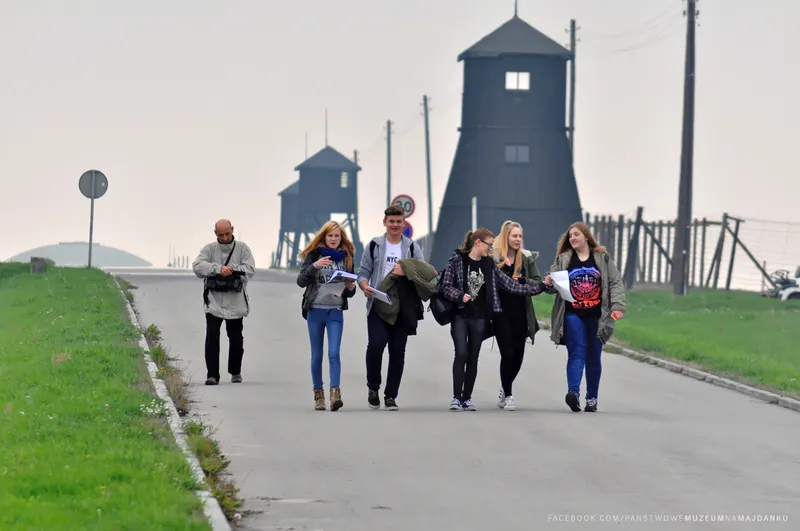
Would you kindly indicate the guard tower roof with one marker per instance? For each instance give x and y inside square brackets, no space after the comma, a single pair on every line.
[292,189]
[328,159]
[515,37]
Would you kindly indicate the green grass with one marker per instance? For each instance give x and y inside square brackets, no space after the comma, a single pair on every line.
[740,335]
[79,449]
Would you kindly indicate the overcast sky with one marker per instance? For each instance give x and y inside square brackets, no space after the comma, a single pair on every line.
[197,110]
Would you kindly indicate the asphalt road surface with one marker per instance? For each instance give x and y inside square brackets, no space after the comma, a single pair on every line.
[661,447]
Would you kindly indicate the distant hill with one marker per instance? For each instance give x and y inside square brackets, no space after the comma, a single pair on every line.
[77,254]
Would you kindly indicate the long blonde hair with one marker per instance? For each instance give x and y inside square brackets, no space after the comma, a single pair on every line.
[564,245]
[501,245]
[319,241]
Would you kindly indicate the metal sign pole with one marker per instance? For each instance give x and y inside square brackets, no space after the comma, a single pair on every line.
[91,219]
[93,185]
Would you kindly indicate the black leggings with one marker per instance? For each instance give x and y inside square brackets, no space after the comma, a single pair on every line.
[467,339]
[511,340]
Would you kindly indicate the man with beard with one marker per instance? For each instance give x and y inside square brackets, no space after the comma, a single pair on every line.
[225,265]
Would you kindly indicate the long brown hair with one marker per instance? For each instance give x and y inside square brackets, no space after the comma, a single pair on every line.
[594,246]
[501,245]
[319,241]
[473,236]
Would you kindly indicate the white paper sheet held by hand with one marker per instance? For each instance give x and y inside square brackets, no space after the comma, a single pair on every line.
[381,296]
[341,276]
[561,283]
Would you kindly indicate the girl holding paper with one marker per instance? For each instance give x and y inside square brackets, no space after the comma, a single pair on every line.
[324,302]
[586,323]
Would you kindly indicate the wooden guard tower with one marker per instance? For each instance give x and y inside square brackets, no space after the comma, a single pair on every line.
[513,153]
[328,185]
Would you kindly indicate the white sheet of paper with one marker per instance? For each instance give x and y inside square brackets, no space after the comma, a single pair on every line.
[381,296]
[341,276]
[561,283]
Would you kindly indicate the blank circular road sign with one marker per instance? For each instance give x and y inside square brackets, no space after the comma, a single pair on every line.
[100,184]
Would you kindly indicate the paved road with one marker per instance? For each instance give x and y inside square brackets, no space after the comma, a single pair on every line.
[662,444]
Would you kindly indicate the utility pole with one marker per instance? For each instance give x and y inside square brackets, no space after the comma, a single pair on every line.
[388,162]
[428,164]
[683,228]
[572,46]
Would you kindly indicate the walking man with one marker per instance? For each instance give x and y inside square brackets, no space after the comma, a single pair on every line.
[225,266]
[381,258]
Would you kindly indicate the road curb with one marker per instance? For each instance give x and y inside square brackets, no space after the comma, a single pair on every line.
[211,507]
[766,396]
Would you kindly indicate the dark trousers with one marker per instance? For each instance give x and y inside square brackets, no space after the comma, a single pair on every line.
[511,341]
[233,327]
[467,337]
[380,335]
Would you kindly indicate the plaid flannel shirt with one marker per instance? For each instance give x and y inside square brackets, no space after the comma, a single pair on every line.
[453,283]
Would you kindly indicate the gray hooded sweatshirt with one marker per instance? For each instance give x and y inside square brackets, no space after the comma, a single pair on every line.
[226,304]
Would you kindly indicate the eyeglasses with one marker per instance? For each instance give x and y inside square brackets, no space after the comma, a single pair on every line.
[489,245]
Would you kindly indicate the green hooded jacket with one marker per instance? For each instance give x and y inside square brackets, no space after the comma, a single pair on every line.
[421,274]
[613,297]
[533,277]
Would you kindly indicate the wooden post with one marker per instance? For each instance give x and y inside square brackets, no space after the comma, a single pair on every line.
[703,253]
[660,233]
[38,265]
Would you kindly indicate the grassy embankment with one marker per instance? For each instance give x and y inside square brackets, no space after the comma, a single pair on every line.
[85,443]
[739,335]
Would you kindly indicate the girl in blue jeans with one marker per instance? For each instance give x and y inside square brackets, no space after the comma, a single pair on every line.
[586,324]
[324,303]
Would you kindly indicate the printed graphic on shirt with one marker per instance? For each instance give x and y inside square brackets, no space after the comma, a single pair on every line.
[393,254]
[324,274]
[475,282]
[585,286]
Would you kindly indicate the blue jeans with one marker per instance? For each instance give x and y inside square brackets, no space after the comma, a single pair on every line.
[584,349]
[318,321]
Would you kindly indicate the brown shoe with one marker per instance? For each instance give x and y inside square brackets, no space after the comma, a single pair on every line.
[236,378]
[336,399]
[319,399]
[212,381]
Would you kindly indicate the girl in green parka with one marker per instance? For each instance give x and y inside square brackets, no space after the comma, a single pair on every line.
[586,324]
[517,323]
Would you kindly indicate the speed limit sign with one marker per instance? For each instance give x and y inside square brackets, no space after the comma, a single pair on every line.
[406,202]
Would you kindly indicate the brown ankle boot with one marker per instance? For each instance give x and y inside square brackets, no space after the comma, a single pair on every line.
[336,398]
[319,399]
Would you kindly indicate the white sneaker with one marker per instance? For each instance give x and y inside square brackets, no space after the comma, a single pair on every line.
[455,405]
[501,399]
[510,404]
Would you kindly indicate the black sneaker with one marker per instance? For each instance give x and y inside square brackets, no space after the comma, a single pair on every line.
[390,404]
[373,399]
[591,405]
[573,401]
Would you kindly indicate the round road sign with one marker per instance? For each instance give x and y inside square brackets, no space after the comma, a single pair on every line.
[408,230]
[100,184]
[406,202]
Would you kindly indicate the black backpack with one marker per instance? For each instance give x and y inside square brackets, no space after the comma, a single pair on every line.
[372,246]
[441,308]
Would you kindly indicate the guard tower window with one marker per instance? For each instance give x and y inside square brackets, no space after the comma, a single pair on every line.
[518,154]
[345,182]
[518,81]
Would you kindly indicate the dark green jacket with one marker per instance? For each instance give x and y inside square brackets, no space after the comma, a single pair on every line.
[613,297]
[532,276]
[421,274]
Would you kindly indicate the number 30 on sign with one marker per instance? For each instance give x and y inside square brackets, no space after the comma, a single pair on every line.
[406,202]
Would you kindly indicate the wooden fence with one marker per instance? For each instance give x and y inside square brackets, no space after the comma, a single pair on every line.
[643,249]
